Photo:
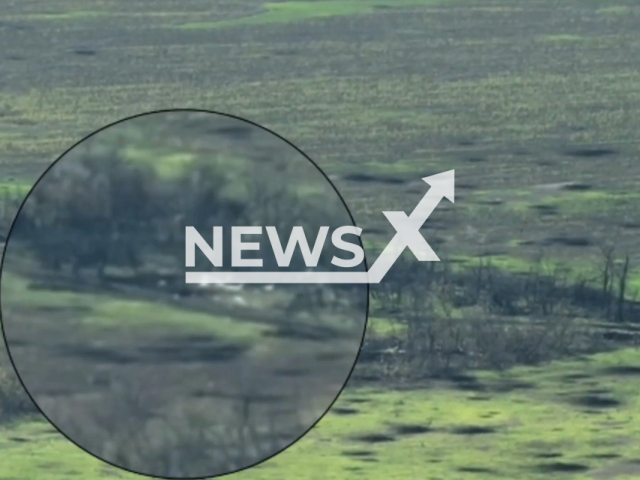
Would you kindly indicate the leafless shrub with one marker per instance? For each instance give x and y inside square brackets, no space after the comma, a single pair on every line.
[188,437]
[14,401]
[516,318]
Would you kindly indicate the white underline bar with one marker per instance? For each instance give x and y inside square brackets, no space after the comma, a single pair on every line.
[277,277]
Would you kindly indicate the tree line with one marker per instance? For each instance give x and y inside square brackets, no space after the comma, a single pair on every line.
[97,212]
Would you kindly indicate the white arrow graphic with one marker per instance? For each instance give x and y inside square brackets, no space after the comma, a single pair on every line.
[408,228]
[407,235]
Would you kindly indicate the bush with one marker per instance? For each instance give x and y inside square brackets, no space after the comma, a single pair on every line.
[485,317]
[14,401]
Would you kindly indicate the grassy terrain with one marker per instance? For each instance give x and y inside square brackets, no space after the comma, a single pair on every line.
[569,418]
[299,11]
[107,312]
[521,98]
[169,359]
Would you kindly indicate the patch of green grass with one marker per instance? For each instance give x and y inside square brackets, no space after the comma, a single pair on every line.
[138,314]
[17,188]
[521,426]
[166,164]
[70,15]
[297,11]
[170,164]
[569,203]
[501,262]
[615,10]
[81,15]
[15,290]
[527,422]
[108,312]
[634,281]
[384,327]
[408,169]
[564,38]
[593,201]
[38,451]
[573,270]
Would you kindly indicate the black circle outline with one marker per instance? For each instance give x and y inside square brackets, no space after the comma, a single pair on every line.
[194,110]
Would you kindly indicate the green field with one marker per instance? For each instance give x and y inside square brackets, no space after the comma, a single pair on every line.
[570,418]
[533,103]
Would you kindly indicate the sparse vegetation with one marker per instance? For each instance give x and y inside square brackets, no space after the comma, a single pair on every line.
[161,377]
[14,403]
[516,356]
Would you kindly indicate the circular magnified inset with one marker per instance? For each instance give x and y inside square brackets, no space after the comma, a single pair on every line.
[157,301]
